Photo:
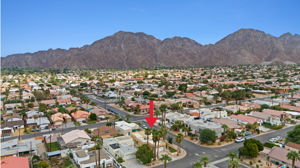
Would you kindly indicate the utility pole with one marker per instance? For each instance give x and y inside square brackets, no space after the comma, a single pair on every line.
[50,144]
[30,148]
[19,134]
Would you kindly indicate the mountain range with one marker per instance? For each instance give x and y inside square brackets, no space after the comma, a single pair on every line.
[139,50]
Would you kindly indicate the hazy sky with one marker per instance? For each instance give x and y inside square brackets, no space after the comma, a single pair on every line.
[32,25]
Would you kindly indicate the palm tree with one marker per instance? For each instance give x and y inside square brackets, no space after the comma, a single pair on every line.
[163,109]
[148,132]
[225,127]
[186,130]
[234,163]
[156,112]
[232,155]
[198,164]
[63,125]
[204,160]
[177,125]
[128,117]
[178,139]
[159,135]
[164,131]
[99,144]
[155,138]
[166,158]
[255,127]
[24,116]
[294,156]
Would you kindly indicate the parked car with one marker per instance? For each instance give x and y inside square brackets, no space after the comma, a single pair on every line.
[144,126]
[35,130]
[239,139]
[248,133]
[278,138]
[281,145]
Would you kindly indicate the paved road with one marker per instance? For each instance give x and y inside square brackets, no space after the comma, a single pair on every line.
[114,110]
[233,102]
[58,130]
[194,151]
[102,104]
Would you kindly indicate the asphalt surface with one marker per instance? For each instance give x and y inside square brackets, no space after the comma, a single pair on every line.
[102,104]
[194,151]
[233,102]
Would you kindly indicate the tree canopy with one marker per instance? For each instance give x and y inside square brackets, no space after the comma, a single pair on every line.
[93,116]
[294,135]
[144,154]
[251,148]
[207,136]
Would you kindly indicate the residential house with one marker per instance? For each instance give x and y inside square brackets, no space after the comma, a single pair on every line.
[15,162]
[40,122]
[230,123]
[14,124]
[267,118]
[87,159]
[140,138]
[236,108]
[64,101]
[195,124]
[10,108]
[269,103]
[207,114]
[16,147]
[80,115]
[290,107]
[27,96]
[12,117]
[59,118]
[245,119]
[34,114]
[250,105]
[105,132]
[126,128]
[74,139]
[275,113]
[50,103]
[100,112]
[278,156]
[292,147]
[6,131]
[122,146]
[198,125]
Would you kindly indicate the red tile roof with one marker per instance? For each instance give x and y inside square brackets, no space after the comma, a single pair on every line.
[280,154]
[245,118]
[273,112]
[294,108]
[15,162]
[293,145]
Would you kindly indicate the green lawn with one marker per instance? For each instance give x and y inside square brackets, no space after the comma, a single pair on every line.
[172,150]
[77,124]
[54,146]
[274,127]
[68,163]
[91,121]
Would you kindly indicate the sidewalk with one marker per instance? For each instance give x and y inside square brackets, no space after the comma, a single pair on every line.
[181,156]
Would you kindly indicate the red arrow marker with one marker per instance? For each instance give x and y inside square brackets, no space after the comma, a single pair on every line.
[151,120]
